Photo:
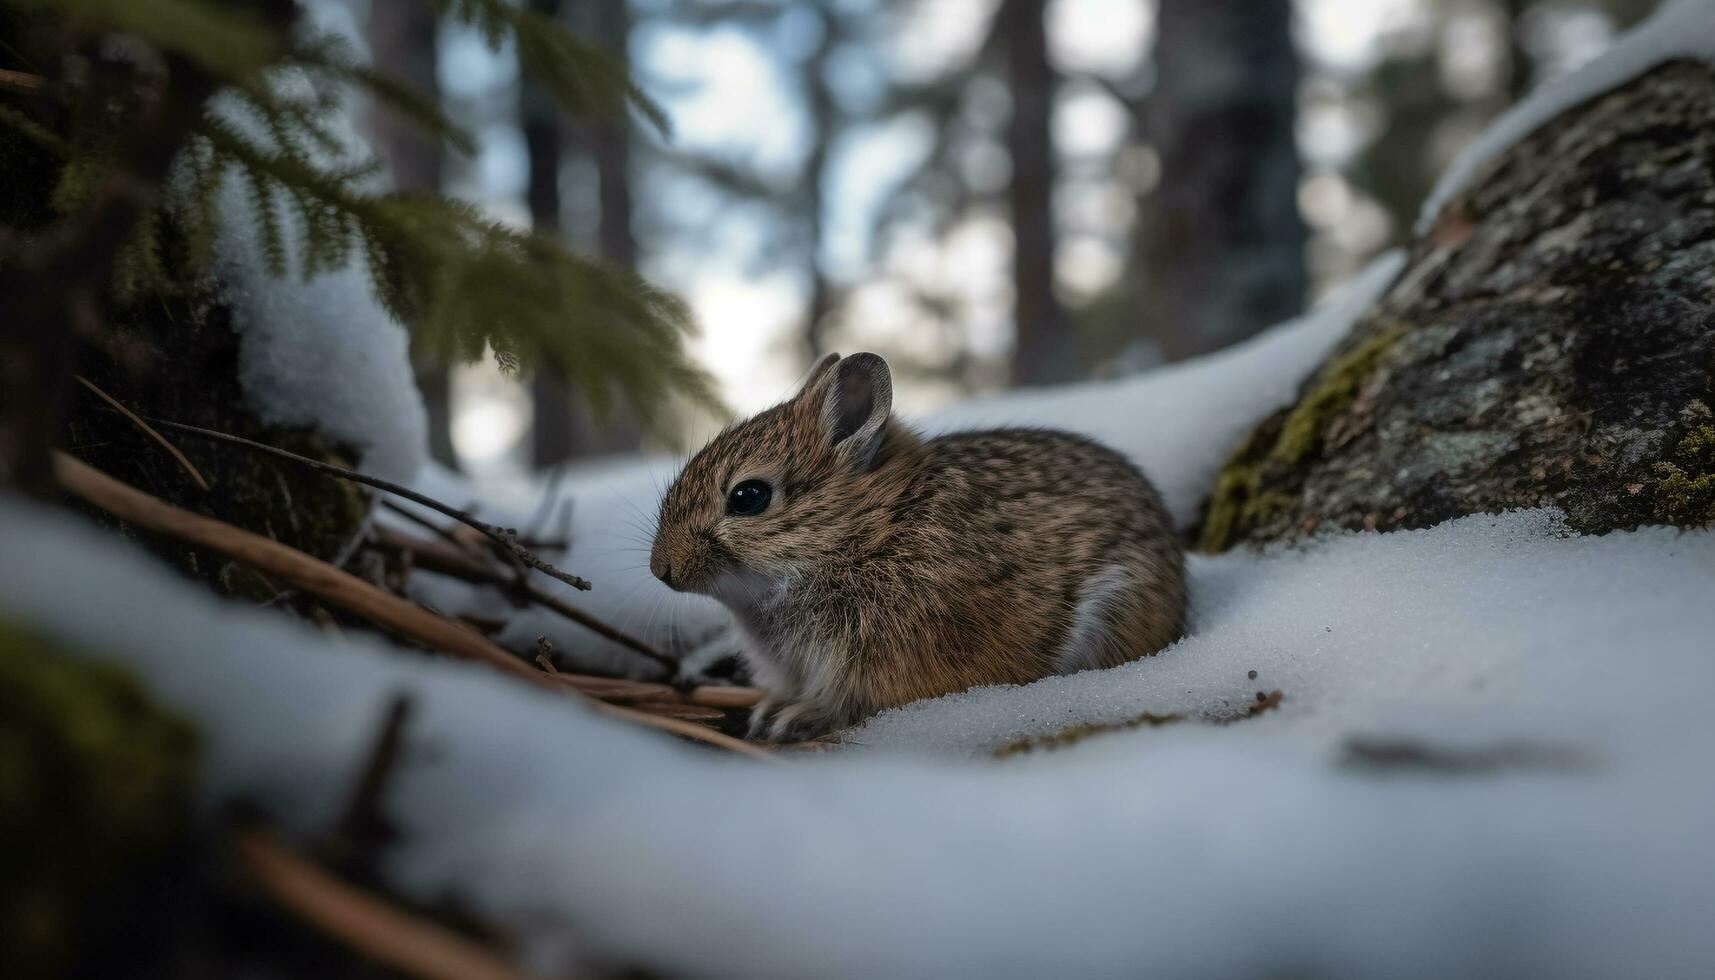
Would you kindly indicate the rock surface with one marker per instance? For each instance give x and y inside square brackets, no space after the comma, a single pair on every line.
[1551,342]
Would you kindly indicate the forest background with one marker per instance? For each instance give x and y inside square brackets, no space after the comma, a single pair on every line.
[990,194]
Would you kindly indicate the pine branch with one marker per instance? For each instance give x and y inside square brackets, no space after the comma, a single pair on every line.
[464,283]
[586,82]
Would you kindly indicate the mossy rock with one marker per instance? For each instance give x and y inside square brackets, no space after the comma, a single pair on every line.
[1550,343]
[96,797]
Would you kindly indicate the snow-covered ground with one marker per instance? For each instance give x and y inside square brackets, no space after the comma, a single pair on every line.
[1543,697]
[1491,756]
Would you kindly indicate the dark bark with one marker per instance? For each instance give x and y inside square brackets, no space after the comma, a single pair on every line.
[563,427]
[1521,69]
[824,113]
[609,23]
[1550,343]
[402,39]
[1043,352]
[1222,240]
[57,282]
[553,437]
[610,146]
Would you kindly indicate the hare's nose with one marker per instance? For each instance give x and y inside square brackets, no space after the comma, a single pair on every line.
[662,570]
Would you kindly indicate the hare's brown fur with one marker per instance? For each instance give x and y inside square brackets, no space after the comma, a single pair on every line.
[890,568]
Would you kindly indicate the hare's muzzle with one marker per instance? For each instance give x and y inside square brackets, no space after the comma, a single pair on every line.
[662,569]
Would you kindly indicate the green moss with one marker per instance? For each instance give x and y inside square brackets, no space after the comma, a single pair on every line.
[95,786]
[1239,499]
[1684,490]
[1335,389]
[1234,488]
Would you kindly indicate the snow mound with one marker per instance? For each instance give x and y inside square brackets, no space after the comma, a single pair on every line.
[1678,29]
[318,351]
[1487,762]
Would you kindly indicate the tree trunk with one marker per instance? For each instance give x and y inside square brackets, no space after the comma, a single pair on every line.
[1223,243]
[608,23]
[823,113]
[553,437]
[402,39]
[1551,343]
[610,144]
[564,428]
[1043,351]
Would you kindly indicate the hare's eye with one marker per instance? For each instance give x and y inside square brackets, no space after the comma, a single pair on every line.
[749,498]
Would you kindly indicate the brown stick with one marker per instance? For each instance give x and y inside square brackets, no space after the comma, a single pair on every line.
[719,696]
[20,81]
[341,588]
[435,556]
[367,923]
[148,430]
[679,709]
[618,689]
[506,538]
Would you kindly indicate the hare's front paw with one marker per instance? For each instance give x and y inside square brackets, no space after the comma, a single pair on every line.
[779,720]
[710,657]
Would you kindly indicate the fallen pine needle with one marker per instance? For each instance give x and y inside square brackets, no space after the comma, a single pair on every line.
[148,430]
[367,923]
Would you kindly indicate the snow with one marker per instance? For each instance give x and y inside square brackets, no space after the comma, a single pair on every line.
[318,351]
[1678,29]
[1580,665]
[1179,424]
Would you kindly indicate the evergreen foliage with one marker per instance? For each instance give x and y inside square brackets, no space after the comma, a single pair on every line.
[462,282]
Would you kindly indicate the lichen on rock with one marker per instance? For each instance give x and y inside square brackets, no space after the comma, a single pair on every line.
[1551,342]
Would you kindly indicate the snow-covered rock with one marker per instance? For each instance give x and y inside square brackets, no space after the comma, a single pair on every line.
[1677,29]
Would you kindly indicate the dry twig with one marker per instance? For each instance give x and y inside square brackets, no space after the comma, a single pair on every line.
[21,81]
[368,923]
[434,556]
[148,430]
[506,538]
[341,588]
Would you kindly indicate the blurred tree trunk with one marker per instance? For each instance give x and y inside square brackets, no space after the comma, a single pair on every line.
[1043,351]
[402,39]
[563,428]
[608,22]
[824,124]
[553,438]
[1521,69]
[1223,244]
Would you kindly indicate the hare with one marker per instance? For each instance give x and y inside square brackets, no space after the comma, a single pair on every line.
[867,566]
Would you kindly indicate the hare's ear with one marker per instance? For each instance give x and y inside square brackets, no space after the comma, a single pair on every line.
[859,395]
[817,376]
